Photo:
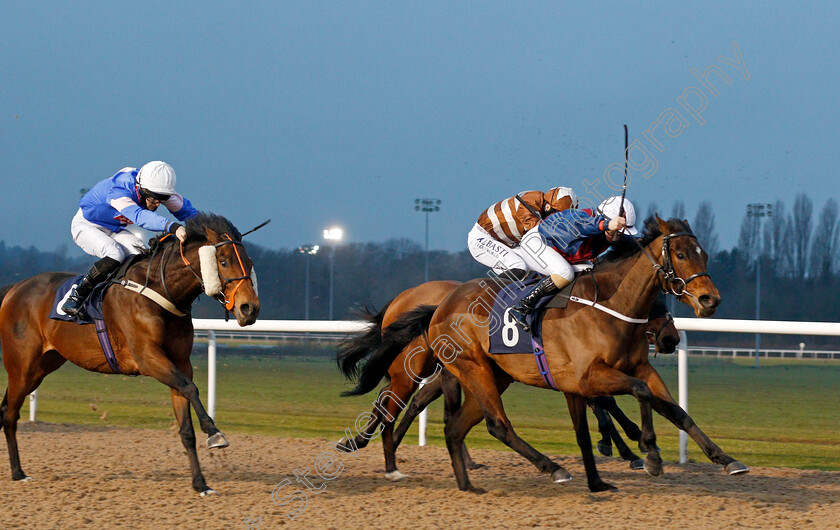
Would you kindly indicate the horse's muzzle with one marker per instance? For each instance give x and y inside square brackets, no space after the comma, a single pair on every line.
[247,313]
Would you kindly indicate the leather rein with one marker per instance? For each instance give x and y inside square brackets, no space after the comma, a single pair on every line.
[228,303]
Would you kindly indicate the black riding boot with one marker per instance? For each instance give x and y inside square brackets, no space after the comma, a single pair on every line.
[526,306]
[100,270]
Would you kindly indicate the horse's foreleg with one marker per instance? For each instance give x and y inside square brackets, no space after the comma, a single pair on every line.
[604,380]
[182,413]
[162,369]
[577,409]
[664,404]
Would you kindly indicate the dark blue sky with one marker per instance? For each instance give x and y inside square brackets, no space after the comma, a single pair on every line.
[316,114]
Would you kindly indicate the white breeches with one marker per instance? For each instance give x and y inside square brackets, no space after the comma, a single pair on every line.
[100,242]
[531,255]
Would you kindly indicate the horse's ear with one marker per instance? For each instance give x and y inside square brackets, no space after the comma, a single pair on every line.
[663,225]
[686,224]
[212,236]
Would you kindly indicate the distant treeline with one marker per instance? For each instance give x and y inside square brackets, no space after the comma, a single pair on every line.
[800,279]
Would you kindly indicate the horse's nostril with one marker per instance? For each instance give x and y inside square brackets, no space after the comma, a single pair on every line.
[245,309]
[707,301]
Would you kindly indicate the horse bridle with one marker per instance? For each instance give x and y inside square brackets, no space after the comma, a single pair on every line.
[670,277]
[222,298]
[654,336]
[672,283]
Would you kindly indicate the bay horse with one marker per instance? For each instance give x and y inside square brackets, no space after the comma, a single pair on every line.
[589,351]
[146,338]
[416,362]
[661,333]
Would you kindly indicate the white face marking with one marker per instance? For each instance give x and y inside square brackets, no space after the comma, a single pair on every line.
[698,250]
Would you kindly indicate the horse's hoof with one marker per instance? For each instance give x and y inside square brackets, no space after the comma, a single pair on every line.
[602,486]
[207,492]
[26,478]
[396,476]
[653,466]
[217,441]
[736,468]
[473,489]
[637,464]
[473,466]
[560,475]
[605,449]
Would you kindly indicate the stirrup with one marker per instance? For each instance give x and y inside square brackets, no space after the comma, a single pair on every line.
[74,305]
[520,317]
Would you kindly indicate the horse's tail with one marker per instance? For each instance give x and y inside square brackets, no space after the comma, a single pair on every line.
[397,337]
[354,348]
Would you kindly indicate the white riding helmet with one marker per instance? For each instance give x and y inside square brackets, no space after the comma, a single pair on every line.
[610,208]
[157,177]
[555,194]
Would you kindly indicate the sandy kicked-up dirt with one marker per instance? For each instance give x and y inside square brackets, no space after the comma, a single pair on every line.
[112,477]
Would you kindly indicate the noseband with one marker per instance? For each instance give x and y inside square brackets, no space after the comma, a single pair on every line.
[222,298]
[672,283]
[654,336]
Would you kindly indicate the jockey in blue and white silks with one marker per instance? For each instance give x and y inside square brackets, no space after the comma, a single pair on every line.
[128,198]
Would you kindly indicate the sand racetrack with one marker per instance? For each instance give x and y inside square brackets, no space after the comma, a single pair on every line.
[102,477]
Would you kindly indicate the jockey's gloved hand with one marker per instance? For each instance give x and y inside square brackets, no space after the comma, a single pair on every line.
[617,223]
[179,231]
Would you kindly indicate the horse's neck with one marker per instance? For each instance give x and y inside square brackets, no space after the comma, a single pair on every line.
[182,286]
[634,282]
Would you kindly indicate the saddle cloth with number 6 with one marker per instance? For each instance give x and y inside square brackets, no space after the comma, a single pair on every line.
[508,336]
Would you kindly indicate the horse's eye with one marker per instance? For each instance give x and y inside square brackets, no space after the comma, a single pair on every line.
[224,263]
[680,255]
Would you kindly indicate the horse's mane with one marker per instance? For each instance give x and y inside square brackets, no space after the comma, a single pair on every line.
[195,229]
[651,231]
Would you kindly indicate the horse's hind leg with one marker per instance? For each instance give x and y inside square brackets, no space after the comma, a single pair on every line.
[577,409]
[22,381]
[460,422]
[609,404]
[605,427]
[451,389]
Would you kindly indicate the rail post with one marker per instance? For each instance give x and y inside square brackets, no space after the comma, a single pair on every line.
[211,374]
[424,417]
[682,363]
[33,404]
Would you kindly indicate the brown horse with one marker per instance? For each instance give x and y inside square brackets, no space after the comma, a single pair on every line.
[413,363]
[146,338]
[416,362]
[589,351]
[661,333]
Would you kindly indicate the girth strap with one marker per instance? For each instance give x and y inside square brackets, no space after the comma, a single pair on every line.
[105,344]
[153,296]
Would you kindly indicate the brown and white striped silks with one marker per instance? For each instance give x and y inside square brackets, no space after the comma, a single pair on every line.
[509,220]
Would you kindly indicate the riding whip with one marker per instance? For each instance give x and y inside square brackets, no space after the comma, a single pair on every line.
[624,188]
[256,228]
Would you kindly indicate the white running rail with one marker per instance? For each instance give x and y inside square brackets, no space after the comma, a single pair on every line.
[350,326]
